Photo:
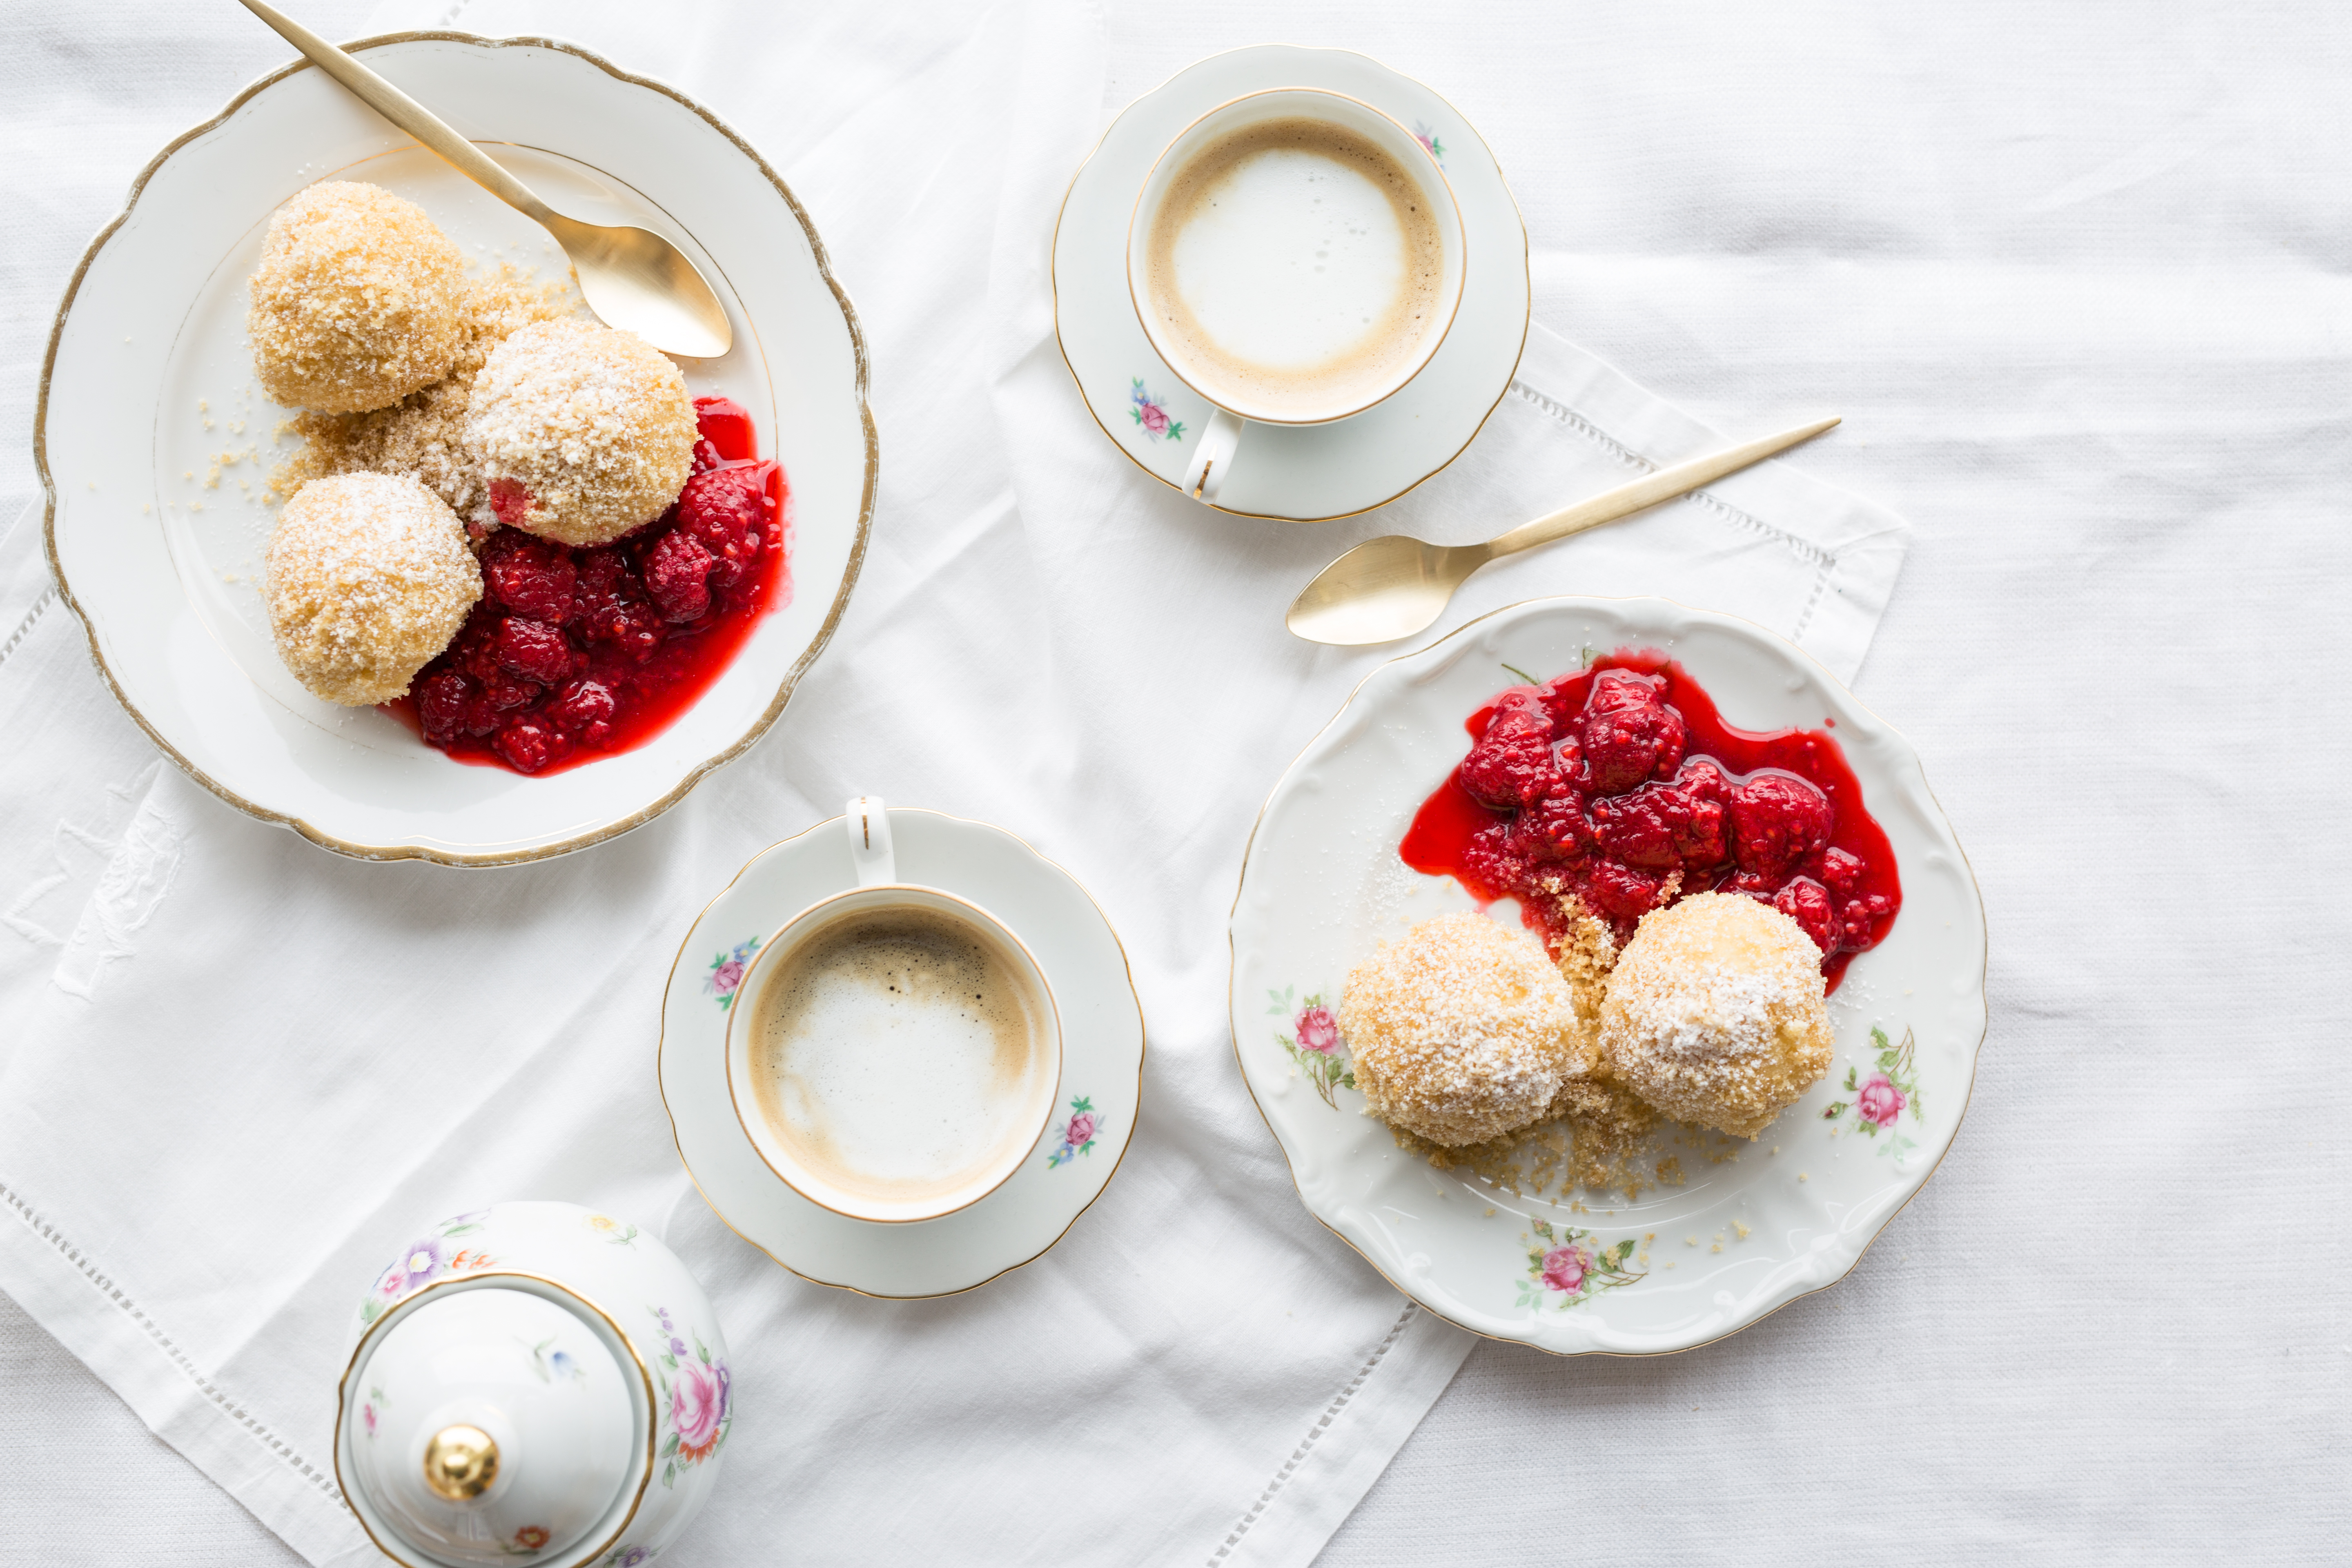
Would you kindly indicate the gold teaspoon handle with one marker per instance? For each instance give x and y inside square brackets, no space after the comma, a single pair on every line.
[406,113]
[1647,491]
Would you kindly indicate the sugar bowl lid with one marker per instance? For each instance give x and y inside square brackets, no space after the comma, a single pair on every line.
[495,1419]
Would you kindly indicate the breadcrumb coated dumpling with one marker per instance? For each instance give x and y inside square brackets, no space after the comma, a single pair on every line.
[358,300]
[1715,1012]
[1462,1031]
[368,580]
[583,432]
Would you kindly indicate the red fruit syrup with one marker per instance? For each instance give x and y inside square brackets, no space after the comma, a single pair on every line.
[1622,785]
[573,654]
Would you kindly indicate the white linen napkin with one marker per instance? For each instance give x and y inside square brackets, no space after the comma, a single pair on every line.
[237,1068]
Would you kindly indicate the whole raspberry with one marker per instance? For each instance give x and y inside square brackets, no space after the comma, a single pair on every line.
[529,745]
[1491,866]
[1621,891]
[476,647]
[1511,764]
[1777,820]
[528,575]
[1629,733]
[534,650]
[1636,829]
[634,630]
[723,510]
[500,695]
[583,703]
[1807,903]
[441,700]
[1554,828]
[677,575]
[706,458]
[1844,873]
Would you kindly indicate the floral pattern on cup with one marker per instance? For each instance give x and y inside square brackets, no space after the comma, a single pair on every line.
[425,1260]
[1150,415]
[1426,134]
[1077,1134]
[375,1401]
[697,1399]
[1566,1269]
[1880,1099]
[1313,1044]
[620,1233]
[727,972]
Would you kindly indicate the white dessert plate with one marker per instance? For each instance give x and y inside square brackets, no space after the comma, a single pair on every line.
[1094,1110]
[157,541]
[1297,473]
[1680,1265]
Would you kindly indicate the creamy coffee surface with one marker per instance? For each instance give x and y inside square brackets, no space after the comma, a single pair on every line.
[1295,266]
[898,1054]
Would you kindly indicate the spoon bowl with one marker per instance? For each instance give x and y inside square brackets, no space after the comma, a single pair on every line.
[633,277]
[1383,589]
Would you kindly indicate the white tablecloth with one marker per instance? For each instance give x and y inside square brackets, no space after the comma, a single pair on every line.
[2077,281]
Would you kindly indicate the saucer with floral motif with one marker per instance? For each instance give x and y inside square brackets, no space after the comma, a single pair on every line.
[1095,1107]
[1299,473]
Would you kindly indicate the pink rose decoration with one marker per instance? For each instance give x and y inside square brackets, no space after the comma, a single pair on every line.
[728,976]
[697,1404]
[1155,418]
[1319,1031]
[1564,1266]
[368,1411]
[1879,1101]
[1081,1129]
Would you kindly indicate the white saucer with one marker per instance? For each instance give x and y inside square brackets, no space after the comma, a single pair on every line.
[1102,1061]
[1301,473]
[149,381]
[1728,1239]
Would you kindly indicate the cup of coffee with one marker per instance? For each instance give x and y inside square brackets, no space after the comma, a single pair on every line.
[1296,255]
[894,1052]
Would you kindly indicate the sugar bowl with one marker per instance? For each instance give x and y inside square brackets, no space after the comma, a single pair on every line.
[532,1382]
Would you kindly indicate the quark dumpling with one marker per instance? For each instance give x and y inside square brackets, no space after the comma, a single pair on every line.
[358,300]
[1715,1012]
[369,578]
[1462,1031]
[583,432]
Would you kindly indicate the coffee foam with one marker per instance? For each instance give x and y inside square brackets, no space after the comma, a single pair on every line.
[897,1053]
[1294,266]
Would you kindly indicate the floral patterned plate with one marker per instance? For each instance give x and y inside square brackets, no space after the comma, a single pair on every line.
[1737,1230]
[1299,473]
[1102,1061]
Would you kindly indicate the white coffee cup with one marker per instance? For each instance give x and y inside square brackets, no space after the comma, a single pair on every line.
[1275,301]
[966,1128]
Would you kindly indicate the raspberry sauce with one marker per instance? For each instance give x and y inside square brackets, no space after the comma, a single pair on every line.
[576,653]
[1622,785]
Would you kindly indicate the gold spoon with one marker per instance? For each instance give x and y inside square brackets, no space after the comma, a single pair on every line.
[1393,587]
[633,277]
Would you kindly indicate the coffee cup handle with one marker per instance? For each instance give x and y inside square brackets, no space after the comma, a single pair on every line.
[1206,474]
[868,822]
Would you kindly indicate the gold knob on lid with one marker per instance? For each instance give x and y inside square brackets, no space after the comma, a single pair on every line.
[460,1462]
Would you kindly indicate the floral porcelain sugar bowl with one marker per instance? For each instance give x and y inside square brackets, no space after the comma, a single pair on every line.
[532,1384]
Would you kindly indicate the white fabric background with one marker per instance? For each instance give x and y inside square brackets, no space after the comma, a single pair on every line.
[2077,281]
